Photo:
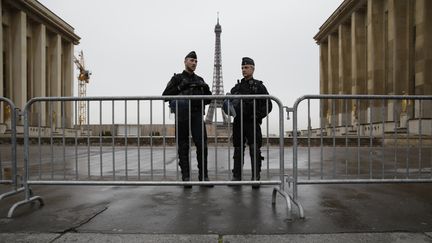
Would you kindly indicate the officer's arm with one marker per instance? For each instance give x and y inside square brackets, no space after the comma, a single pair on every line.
[207,92]
[263,103]
[263,90]
[235,89]
[172,87]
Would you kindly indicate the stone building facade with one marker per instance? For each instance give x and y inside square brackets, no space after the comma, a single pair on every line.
[37,50]
[380,47]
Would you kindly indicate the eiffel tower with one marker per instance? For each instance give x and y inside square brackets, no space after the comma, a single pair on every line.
[217,88]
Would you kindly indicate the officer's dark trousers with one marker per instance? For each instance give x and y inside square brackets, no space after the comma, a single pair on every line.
[199,138]
[254,149]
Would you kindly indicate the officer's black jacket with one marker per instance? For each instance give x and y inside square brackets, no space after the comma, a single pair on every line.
[188,84]
[253,87]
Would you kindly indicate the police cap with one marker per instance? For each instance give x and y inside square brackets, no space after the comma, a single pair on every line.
[248,61]
[191,54]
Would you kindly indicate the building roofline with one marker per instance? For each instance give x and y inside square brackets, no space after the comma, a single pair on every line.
[340,15]
[48,17]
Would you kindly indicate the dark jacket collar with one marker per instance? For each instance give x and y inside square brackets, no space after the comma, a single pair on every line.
[249,81]
[188,74]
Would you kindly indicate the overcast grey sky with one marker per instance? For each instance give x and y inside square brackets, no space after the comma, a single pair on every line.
[134,47]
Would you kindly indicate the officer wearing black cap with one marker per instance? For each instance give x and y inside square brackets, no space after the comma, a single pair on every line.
[188,83]
[251,124]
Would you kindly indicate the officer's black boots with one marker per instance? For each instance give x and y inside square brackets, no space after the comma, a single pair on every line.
[186,178]
[206,178]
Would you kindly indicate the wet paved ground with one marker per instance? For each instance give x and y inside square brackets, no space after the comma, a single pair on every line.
[334,213]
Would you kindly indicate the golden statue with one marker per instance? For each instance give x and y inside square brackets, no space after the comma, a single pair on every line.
[354,110]
[54,119]
[7,112]
[405,103]
[328,116]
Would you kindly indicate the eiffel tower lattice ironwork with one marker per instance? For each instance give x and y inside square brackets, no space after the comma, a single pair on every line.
[217,88]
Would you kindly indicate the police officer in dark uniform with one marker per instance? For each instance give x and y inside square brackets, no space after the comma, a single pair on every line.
[251,129]
[188,83]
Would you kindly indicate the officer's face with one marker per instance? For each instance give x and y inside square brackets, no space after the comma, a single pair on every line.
[247,71]
[190,64]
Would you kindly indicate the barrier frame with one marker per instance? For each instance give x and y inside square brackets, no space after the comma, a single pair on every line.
[279,184]
[295,179]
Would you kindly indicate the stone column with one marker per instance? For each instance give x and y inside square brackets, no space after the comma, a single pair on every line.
[324,81]
[398,34]
[375,55]
[399,39]
[68,81]
[333,76]
[2,92]
[19,57]
[423,56]
[359,63]
[40,71]
[344,73]
[55,78]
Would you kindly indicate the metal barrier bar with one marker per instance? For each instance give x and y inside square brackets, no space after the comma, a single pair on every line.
[63,138]
[138,139]
[383,114]
[76,139]
[363,181]
[268,142]
[229,141]
[113,141]
[358,139]
[39,140]
[321,147]
[372,168]
[334,138]
[100,139]
[420,137]
[215,138]
[189,139]
[395,142]
[151,138]
[51,139]
[88,139]
[371,107]
[202,141]
[241,138]
[164,142]
[407,151]
[309,141]
[254,166]
[346,137]
[177,140]
[126,140]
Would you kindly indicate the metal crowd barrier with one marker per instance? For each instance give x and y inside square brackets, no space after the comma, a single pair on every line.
[58,154]
[8,154]
[362,139]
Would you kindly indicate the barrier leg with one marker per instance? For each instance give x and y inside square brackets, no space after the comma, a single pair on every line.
[286,197]
[11,193]
[30,199]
